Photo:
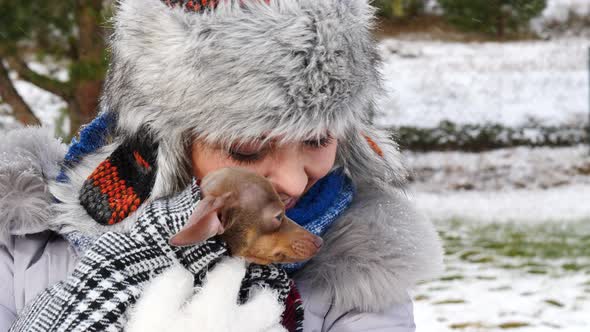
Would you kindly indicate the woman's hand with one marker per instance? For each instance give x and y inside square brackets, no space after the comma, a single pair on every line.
[171,303]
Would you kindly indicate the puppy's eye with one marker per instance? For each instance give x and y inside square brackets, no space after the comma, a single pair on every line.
[279,217]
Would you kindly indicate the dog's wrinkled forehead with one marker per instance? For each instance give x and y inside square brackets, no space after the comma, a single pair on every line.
[249,189]
[258,196]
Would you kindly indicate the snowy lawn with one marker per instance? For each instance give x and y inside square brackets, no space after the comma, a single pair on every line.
[474,83]
[516,230]
[514,276]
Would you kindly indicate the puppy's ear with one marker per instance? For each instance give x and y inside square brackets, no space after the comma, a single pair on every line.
[203,223]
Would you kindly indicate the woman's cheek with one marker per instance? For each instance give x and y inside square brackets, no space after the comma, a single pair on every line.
[206,160]
[321,161]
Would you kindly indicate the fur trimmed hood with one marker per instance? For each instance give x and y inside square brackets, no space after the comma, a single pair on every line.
[284,69]
[28,158]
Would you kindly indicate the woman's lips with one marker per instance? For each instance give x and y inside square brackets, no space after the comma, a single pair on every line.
[290,203]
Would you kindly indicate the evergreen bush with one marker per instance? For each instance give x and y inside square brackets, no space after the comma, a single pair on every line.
[497,17]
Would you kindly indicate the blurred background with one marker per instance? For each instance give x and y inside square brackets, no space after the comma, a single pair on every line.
[490,101]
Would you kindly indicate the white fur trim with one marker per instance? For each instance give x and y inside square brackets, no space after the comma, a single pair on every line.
[29,157]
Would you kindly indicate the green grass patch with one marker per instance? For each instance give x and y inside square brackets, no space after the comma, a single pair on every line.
[449,301]
[554,303]
[466,255]
[482,259]
[573,267]
[466,325]
[421,297]
[537,271]
[452,277]
[481,243]
[474,256]
[513,325]
[488,278]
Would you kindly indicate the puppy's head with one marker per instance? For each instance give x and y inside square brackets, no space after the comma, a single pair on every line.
[245,210]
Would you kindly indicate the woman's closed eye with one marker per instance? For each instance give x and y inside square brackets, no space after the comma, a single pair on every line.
[319,143]
[251,153]
[245,155]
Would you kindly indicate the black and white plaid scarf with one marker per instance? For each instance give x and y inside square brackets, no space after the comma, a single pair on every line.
[111,275]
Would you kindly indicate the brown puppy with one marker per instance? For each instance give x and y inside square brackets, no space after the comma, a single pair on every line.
[247,212]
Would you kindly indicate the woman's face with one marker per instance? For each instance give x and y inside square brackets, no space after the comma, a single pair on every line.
[292,168]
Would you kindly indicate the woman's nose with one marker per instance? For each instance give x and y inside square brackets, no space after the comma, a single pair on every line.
[288,176]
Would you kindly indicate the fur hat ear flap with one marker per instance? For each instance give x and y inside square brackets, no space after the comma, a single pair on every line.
[371,156]
[123,181]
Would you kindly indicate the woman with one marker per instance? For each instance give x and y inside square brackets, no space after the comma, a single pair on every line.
[282,87]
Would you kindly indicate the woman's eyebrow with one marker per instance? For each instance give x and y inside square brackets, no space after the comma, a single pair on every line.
[323,137]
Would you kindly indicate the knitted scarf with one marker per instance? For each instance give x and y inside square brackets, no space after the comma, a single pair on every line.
[323,203]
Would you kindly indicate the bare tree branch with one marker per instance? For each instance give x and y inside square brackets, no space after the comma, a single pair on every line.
[20,109]
[46,83]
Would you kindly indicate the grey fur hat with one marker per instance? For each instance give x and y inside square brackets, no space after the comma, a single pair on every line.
[288,69]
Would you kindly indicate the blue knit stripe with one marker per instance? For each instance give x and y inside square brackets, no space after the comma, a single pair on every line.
[92,137]
[320,207]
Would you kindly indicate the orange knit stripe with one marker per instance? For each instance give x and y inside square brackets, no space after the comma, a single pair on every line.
[140,160]
[374,146]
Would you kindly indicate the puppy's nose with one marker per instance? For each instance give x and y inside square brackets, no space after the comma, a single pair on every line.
[318,242]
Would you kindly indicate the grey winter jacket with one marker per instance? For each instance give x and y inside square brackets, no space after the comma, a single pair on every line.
[372,255]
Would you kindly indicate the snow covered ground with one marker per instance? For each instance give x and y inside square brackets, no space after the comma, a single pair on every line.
[512,84]
[490,289]
[534,277]
[516,230]
[507,83]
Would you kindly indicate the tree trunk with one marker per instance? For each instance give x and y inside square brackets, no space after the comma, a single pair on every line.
[85,104]
[89,76]
[20,109]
